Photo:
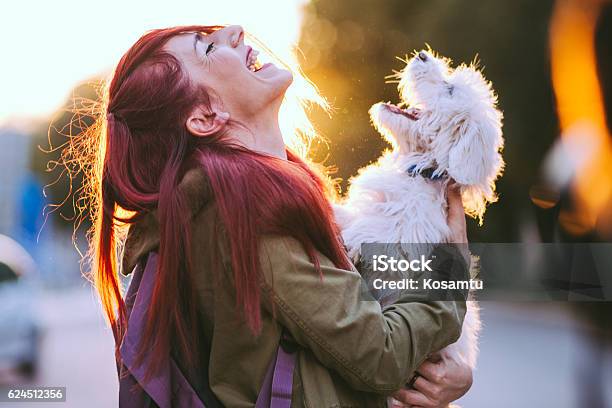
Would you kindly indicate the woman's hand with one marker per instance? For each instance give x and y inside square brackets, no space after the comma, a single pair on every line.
[440,381]
[456,219]
[456,214]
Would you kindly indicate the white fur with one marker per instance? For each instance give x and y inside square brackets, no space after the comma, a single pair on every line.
[458,131]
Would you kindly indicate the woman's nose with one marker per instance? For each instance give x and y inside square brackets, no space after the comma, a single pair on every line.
[235,35]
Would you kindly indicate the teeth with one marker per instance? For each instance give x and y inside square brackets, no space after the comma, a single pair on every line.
[252,63]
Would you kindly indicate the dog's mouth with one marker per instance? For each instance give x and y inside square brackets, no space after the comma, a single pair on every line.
[410,113]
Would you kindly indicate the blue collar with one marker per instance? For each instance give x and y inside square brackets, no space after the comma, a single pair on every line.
[426,173]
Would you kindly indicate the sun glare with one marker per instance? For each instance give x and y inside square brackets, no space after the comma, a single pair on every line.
[49,47]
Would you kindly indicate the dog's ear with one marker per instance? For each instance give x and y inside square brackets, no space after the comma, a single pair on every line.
[471,158]
[474,160]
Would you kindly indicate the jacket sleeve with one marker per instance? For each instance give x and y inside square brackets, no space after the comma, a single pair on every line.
[374,349]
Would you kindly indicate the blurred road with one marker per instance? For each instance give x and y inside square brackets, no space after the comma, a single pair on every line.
[528,355]
[76,351]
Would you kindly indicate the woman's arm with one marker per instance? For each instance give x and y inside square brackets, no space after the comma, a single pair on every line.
[374,350]
[441,381]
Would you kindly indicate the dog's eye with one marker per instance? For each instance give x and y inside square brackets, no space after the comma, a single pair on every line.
[451,89]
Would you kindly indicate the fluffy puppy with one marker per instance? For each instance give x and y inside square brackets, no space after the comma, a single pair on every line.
[447,126]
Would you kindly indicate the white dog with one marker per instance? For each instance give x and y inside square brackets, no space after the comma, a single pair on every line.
[446,127]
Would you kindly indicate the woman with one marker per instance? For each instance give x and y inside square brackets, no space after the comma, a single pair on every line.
[244,244]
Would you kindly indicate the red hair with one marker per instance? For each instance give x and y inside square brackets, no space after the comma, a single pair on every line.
[144,152]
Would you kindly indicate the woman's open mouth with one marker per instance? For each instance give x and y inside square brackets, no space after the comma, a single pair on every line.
[410,113]
[252,63]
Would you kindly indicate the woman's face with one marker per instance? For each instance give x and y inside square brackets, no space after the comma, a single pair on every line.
[223,64]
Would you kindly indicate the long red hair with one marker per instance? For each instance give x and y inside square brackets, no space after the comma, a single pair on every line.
[145,149]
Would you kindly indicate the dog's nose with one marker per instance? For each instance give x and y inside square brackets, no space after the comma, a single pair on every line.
[422,56]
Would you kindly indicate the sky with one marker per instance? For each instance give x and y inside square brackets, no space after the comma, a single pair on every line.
[50,46]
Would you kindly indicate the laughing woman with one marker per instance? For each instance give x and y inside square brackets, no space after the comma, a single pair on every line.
[233,248]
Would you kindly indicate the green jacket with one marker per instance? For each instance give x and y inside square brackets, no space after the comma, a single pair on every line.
[352,353]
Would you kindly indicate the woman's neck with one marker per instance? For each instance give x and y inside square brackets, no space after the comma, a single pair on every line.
[268,139]
[263,135]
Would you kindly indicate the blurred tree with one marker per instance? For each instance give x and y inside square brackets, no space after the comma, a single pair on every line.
[350,46]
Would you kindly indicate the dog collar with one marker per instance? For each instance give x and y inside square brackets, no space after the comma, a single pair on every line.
[426,173]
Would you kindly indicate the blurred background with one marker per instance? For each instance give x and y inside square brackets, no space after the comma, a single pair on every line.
[550,62]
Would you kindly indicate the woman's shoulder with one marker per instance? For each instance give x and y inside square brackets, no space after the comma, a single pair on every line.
[195,186]
[143,235]
[279,253]
[282,247]
[200,202]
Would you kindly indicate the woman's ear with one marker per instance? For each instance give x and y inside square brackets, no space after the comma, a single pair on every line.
[206,122]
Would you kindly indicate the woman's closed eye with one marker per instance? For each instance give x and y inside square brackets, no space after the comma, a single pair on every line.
[198,41]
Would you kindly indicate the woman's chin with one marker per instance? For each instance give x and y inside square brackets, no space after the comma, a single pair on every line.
[287,78]
[271,72]
[272,84]
[279,79]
